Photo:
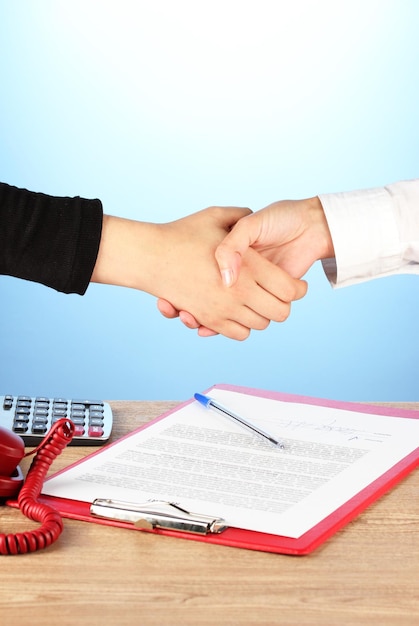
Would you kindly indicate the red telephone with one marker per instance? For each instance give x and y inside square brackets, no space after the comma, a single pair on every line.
[12,450]
[12,485]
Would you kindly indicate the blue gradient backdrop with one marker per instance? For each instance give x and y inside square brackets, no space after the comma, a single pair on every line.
[163,108]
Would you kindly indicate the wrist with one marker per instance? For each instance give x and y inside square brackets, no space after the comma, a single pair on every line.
[319,227]
[127,253]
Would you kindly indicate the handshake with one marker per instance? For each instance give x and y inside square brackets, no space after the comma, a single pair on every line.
[222,270]
[228,270]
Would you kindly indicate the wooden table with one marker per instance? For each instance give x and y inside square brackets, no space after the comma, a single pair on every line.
[366,574]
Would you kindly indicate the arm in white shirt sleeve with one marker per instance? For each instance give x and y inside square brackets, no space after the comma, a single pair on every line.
[375,233]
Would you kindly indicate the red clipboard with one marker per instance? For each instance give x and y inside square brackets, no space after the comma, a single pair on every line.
[239,538]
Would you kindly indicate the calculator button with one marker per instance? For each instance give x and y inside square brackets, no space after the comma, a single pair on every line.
[22,411]
[39,404]
[24,399]
[40,418]
[42,399]
[20,427]
[95,431]
[96,421]
[56,415]
[7,402]
[78,431]
[77,406]
[40,412]
[96,407]
[22,418]
[77,421]
[76,414]
[23,404]
[39,429]
[94,414]
[88,402]
[59,405]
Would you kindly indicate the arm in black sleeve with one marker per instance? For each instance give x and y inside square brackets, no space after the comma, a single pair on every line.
[49,240]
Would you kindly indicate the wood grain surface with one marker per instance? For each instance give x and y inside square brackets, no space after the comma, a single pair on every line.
[368,573]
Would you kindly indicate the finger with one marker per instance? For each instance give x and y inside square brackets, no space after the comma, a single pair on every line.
[269,308]
[188,319]
[274,279]
[230,251]
[252,318]
[301,288]
[231,329]
[270,295]
[190,322]
[170,312]
[167,309]
[236,331]
[203,331]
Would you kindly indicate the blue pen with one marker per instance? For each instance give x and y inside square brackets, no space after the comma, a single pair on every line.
[209,403]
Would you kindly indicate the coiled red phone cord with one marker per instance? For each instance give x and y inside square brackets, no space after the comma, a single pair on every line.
[52,445]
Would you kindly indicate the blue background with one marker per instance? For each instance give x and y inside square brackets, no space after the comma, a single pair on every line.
[163,108]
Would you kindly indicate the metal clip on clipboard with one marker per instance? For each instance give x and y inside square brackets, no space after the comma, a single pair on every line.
[157,514]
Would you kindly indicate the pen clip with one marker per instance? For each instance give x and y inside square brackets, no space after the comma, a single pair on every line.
[157,514]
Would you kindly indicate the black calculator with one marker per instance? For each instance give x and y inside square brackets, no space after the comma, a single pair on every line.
[32,417]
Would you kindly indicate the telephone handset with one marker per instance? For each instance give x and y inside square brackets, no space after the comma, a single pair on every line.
[12,485]
[12,451]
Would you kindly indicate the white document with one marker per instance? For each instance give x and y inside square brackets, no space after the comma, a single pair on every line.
[207,464]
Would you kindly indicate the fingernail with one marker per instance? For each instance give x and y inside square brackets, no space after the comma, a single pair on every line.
[227,277]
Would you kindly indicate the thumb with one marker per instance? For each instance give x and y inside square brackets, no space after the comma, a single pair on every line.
[230,251]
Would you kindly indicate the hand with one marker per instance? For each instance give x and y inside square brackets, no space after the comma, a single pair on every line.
[176,261]
[292,234]
[268,231]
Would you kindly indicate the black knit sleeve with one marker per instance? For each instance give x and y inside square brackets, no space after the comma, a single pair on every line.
[47,239]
